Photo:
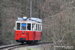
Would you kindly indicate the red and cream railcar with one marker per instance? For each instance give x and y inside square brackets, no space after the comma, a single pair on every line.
[28,31]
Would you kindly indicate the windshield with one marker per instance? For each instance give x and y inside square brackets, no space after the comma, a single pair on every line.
[18,26]
[28,26]
[23,26]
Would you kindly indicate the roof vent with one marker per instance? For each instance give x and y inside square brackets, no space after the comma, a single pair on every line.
[20,19]
[24,18]
[36,19]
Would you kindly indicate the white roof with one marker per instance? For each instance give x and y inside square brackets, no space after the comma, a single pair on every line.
[30,19]
[20,19]
[35,19]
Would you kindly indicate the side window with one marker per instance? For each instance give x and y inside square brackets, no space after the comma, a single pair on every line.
[39,27]
[18,26]
[23,26]
[36,27]
[28,26]
[33,26]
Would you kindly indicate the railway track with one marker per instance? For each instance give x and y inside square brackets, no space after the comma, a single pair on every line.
[13,46]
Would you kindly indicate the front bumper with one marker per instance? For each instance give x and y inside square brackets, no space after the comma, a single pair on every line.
[21,40]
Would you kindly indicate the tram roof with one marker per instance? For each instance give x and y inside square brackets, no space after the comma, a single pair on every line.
[27,22]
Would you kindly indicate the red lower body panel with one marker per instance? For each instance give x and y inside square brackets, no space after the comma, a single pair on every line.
[27,35]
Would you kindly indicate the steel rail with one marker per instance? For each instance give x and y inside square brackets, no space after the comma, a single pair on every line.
[6,46]
[11,46]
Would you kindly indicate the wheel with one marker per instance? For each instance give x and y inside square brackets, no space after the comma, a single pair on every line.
[22,42]
[35,42]
[28,42]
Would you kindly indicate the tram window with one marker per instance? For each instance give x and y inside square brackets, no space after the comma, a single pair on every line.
[23,26]
[39,27]
[28,26]
[33,27]
[18,26]
[36,27]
